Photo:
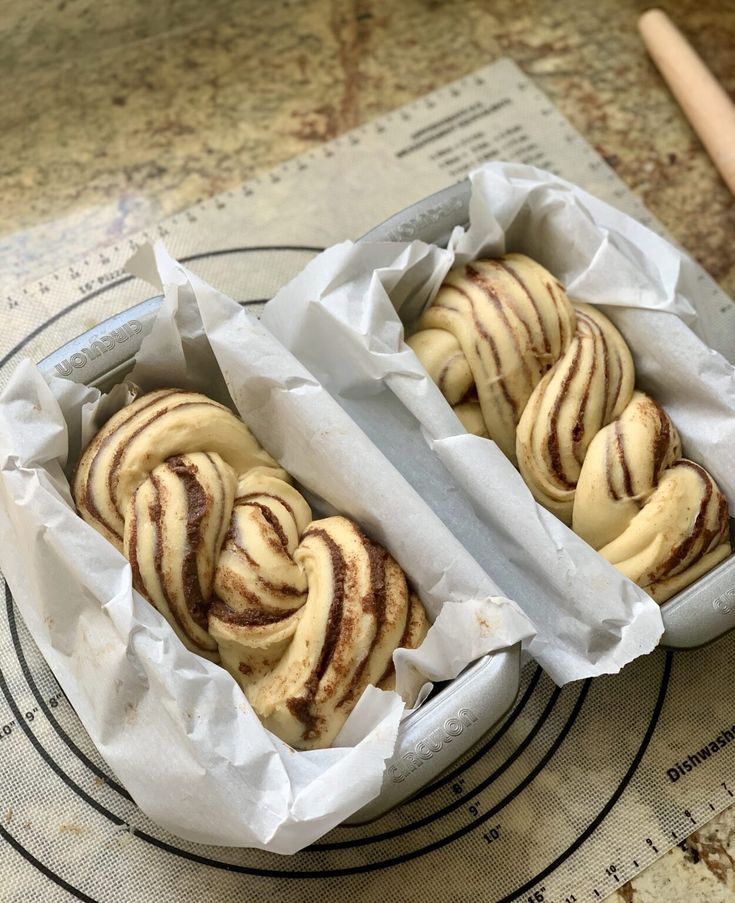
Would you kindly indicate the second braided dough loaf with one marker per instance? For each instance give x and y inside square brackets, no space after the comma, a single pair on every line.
[553,383]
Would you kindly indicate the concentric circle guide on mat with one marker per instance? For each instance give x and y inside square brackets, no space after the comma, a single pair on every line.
[571,795]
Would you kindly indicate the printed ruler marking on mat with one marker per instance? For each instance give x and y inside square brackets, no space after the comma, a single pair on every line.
[578,780]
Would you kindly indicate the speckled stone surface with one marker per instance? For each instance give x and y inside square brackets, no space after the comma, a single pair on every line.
[700,870]
[118,114]
[123,113]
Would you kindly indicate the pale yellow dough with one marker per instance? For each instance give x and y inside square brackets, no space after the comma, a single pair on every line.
[304,614]
[553,384]
[495,328]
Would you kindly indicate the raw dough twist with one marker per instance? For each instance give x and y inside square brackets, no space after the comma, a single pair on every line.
[658,518]
[587,388]
[553,385]
[493,331]
[304,614]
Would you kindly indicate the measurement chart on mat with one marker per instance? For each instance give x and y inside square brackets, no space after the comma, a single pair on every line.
[570,795]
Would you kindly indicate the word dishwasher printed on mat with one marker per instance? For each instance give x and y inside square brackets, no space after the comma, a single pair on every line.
[681,769]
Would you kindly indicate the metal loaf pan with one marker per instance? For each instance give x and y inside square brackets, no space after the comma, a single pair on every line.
[700,613]
[457,714]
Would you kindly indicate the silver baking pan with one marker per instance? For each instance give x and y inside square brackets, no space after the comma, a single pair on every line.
[697,615]
[456,715]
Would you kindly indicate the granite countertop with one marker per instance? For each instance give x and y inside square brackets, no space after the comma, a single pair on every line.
[123,113]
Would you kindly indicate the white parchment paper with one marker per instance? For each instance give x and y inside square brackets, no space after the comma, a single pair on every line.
[344,318]
[175,728]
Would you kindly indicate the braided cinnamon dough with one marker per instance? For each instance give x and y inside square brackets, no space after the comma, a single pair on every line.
[623,466]
[659,518]
[495,328]
[553,384]
[587,388]
[304,614]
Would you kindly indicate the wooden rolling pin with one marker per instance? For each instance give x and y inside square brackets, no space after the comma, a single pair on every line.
[704,101]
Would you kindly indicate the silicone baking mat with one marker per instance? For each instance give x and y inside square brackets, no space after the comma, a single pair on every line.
[570,796]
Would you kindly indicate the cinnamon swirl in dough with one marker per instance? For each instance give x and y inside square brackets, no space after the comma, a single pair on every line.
[658,518]
[587,388]
[304,614]
[493,331]
[553,384]
[623,465]
[680,533]
[353,618]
